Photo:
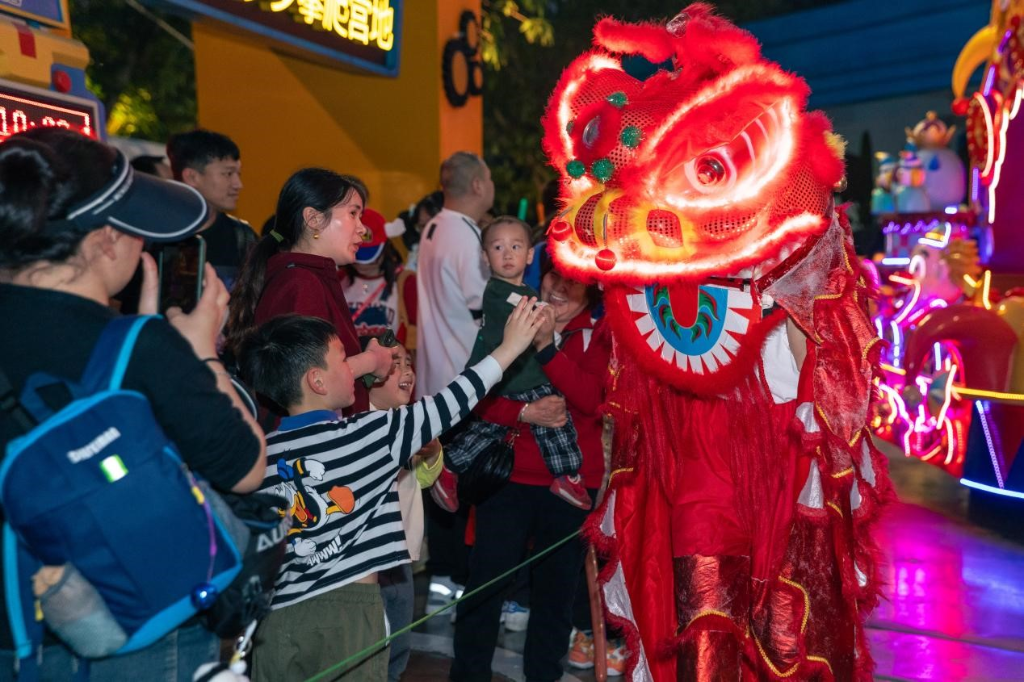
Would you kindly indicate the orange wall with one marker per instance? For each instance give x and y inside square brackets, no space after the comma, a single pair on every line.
[286,113]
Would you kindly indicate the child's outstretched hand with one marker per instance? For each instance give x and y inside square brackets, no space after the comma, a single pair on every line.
[522,326]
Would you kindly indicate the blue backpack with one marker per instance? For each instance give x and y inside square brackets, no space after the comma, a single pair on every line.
[97,486]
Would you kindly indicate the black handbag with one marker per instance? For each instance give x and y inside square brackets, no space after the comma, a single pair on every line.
[490,471]
[257,522]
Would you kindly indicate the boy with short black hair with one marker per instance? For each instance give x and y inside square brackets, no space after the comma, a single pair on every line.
[339,477]
[507,246]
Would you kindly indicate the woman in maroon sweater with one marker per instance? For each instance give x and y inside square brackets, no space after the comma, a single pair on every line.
[294,268]
[577,365]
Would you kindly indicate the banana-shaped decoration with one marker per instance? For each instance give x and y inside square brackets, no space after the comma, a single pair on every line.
[981,47]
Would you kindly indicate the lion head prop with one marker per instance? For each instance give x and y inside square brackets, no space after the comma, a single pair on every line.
[690,168]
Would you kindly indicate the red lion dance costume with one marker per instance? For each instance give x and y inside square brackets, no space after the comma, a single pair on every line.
[699,193]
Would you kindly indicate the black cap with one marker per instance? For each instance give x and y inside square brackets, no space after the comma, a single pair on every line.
[139,204]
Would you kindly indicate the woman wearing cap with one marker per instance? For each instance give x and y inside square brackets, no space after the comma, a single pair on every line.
[294,269]
[73,216]
[381,294]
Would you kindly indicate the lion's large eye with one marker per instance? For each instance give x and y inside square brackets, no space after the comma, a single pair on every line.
[712,172]
[733,171]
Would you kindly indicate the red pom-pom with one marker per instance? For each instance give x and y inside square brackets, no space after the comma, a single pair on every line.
[960,105]
[605,259]
[560,230]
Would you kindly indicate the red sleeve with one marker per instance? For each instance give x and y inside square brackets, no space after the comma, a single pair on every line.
[582,383]
[294,291]
[498,410]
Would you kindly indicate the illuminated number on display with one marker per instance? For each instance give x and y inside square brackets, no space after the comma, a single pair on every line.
[22,111]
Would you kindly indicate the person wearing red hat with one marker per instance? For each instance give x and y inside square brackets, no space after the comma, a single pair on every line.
[380,295]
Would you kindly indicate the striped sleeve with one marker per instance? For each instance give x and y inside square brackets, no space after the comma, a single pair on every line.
[413,426]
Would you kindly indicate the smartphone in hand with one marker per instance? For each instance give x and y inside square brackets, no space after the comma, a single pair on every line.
[181,267]
[388,340]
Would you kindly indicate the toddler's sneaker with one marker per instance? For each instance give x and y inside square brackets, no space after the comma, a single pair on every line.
[445,490]
[616,660]
[581,652]
[570,489]
[516,617]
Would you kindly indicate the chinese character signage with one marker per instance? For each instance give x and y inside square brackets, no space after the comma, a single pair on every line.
[363,33]
[46,12]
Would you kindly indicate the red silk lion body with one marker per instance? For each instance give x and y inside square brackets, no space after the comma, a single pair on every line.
[699,193]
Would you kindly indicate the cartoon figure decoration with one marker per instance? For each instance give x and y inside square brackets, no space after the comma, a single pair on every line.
[881,195]
[910,196]
[698,191]
[309,510]
[928,176]
[945,180]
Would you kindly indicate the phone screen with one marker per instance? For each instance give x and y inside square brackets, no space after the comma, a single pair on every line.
[181,273]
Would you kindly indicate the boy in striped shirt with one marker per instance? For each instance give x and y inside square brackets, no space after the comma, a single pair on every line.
[339,477]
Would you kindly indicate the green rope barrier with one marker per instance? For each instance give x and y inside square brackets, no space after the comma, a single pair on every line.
[359,656]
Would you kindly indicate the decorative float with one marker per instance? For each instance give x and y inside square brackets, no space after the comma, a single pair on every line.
[953,311]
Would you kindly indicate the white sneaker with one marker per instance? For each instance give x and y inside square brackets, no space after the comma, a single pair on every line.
[442,591]
[504,613]
[516,617]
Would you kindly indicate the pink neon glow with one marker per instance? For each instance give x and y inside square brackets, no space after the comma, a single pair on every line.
[948,395]
[975,183]
[917,268]
[1014,110]
[897,341]
[990,151]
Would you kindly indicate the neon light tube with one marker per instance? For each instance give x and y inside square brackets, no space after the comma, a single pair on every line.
[989,489]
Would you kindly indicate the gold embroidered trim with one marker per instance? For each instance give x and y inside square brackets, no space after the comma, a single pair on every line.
[819,659]
[703,614]
[807,602]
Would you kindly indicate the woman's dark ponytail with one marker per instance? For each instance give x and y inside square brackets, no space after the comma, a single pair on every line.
[316,188]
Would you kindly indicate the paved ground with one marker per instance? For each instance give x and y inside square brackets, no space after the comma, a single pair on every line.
[955,608]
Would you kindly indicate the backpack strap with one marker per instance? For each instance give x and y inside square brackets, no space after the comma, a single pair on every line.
[104,371]
[110,356]
[26,627]
[10,404]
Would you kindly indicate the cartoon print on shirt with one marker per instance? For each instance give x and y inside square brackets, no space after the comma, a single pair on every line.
[309,509]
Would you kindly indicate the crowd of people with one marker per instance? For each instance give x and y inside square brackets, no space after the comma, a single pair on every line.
[355,370]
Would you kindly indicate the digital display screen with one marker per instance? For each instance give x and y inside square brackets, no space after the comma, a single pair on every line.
[23,107]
